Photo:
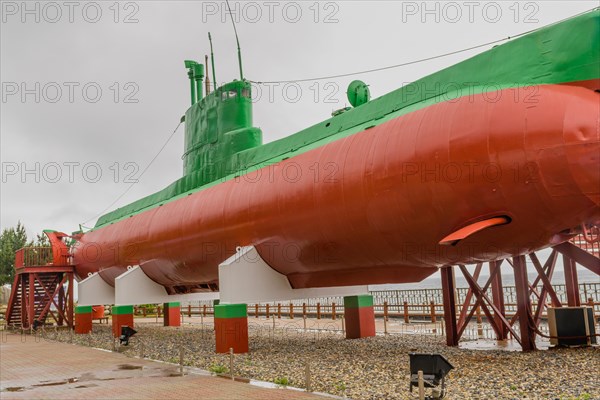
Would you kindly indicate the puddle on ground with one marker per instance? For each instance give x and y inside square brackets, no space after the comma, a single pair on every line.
[50,384]
[70,380]
[167,374]
[15,389]
[129,366]
[88,376]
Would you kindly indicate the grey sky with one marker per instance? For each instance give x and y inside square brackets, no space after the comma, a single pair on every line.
[145,60]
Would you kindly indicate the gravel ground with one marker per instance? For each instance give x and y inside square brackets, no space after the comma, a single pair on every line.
[373,368]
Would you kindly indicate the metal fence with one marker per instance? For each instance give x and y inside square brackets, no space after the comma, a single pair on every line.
[414,303]
[425,296]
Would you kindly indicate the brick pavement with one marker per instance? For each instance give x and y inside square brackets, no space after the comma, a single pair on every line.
[31,369]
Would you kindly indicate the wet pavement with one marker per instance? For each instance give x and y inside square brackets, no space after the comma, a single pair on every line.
[34,368]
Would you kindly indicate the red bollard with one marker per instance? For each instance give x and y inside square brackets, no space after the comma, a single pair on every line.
[359,316]
[172,315]
[83,319]
[121,316]
[231,328]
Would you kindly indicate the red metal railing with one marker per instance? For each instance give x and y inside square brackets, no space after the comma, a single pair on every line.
[33,256]
[19,262]
[589,240]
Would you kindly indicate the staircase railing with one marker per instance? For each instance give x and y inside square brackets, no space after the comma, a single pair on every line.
[33,256]
[589,240]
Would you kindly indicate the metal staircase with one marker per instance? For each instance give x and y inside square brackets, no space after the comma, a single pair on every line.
[42,291]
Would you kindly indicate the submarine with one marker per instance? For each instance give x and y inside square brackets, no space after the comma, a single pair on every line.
[493,157]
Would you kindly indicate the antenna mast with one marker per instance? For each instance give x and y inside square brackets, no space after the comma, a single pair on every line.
[212,61]
[237,40]
[207,81]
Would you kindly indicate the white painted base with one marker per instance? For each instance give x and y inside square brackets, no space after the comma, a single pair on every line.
[93,291]
[134,287]
[246,278]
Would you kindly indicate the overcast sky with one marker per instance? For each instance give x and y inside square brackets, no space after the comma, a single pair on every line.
[98,87]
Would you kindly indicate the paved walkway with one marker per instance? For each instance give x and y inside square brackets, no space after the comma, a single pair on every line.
[31,369]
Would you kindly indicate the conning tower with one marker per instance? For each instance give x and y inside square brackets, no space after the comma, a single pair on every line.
[218,126]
